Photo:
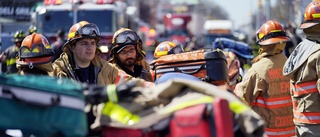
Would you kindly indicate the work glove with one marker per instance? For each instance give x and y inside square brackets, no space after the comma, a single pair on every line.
[114,93]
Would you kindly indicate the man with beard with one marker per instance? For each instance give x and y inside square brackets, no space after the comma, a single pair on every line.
[127,54]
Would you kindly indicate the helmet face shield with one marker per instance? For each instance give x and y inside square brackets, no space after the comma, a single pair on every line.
[176,49]
[37,50]
[278,33]
[88,30]
[126,37]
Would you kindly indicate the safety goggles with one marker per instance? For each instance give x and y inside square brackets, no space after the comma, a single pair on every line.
[126,37]
[37,50]
[88,30]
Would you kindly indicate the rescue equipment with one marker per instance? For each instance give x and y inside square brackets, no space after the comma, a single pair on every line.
[206,64]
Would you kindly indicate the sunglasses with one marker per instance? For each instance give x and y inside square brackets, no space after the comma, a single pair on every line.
[126,36]
[88,30]
[37,50]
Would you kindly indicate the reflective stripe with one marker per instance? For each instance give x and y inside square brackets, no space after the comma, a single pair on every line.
[43,98]
[235,107]
[172,69]
[306,117]
[119,113]
[294,104]
[315,15]
[280,132]
[162,53]
[120,77]
[273,102]
[11,61]
[112,93]
[304,88]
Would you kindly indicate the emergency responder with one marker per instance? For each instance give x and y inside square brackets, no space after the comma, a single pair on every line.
[126,51]
[32,29]
[79,61]
[57,45]
[35,55]
[234,70]
[9,55]
[167,48]
[295,39]
[302,67]
[164,48]
[264,88]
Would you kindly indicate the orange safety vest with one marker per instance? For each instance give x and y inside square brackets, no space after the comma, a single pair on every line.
[300,90]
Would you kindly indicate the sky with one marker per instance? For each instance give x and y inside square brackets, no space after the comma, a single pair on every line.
[239,10]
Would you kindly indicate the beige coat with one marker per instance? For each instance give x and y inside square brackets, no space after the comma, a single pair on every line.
[105,72]
[267,91]
[303,68]
[145,73]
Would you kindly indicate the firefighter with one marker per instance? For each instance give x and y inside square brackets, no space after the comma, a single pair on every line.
[234,70]
[79,61]
[164,48]
[167,48]
[32,29]
[302,67]
[126,52]
[264,88]
[9,55]
[57,45]
[35,55]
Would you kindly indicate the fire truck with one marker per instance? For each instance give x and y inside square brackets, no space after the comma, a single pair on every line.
[176,27]
[62,14]
[216,29]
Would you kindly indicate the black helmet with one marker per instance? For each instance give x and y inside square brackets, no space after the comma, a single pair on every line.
[32,29]
[19,36]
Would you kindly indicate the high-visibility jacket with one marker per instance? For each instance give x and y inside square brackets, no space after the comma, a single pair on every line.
[302,67]
[267,91]
[11,53]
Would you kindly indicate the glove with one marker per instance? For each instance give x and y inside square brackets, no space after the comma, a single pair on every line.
[124,90]
[96,94]
[114,93]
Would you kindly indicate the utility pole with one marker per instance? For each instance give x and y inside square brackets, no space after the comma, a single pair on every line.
[258,16]
[267,9]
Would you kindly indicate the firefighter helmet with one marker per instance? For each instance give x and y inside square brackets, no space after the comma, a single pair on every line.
[32,29]
[82,29]
[124,37]
[35,49]
[166,48]
[19,36]
[271,32]
[310,15]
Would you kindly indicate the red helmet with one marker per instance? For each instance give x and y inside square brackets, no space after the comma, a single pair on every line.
[311,15]
[35,49]
[80,30]
[166,48]
[271,32]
